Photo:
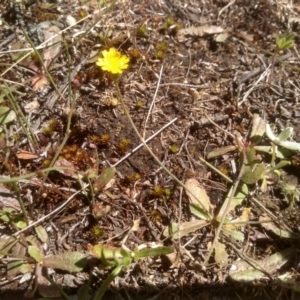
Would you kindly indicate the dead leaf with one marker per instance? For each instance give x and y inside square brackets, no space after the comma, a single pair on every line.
[53,47]
[195,187]
[32,107]
[136,225]
[71,171]
[198,31]
[39,81]
[23,154]
[221,256]
[175,232]
[99,210]
[7,199]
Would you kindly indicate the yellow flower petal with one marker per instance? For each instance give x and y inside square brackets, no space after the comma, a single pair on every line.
[113,61]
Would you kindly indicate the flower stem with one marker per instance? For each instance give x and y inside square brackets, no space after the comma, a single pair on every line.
[180,183]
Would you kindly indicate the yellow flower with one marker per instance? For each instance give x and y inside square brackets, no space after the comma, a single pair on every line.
[113,61]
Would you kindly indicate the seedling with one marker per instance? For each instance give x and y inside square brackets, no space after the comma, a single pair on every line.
[120,259]
[283,42]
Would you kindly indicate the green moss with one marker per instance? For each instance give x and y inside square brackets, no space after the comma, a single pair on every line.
[174,148]
[139,104]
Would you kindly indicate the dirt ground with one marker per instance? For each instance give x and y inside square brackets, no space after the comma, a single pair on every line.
[205,68]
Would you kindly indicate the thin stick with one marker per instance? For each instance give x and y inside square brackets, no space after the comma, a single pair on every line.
[146,141]
[153,101]
[54,212]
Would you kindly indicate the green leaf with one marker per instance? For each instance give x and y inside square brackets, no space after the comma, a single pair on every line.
[281,153]
[107,281]
[271,135]
[200,202]
[6,115]
[153,252]
[69,261]
[285,41]
[221,256]
[294,146]
[253,176]
[285,134]
[21,224]
[251,156]
[243,272]
[41,233]
[35,253]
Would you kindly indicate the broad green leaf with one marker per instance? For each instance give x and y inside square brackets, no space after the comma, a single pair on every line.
[285,134]
[270,134]
[25,268]
[294,146]
[69,261]
[104,251]
[35,253]
[221,256]
[6,115]
[242,271]
[3,216]
[251,177]
[280,140]
[281,153]
[21,224]
[41,233]
[153,252]
[251,156]
[269,225]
